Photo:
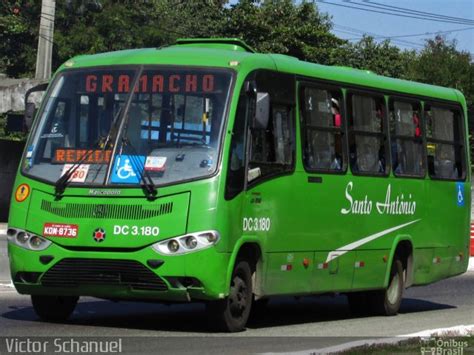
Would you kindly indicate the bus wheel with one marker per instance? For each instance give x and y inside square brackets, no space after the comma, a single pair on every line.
[54,308]
[387,302]
[232,313]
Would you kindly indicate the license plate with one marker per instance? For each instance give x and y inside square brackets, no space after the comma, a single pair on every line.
[60,230]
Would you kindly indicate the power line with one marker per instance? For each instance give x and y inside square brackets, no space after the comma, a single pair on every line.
[418,12]
[48,39]
[361,33]
[410,44]
[391,13]
[47,17]
[422,34]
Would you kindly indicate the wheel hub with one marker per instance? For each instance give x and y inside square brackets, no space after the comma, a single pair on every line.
[238,297]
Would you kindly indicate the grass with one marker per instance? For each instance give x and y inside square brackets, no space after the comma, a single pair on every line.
[444,343]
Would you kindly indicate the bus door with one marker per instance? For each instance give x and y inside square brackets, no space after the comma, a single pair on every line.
[323,180]
[269,210]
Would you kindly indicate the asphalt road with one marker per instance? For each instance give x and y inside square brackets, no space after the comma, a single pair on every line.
[287,324]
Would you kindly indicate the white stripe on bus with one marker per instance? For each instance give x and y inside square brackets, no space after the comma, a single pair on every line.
[344,249]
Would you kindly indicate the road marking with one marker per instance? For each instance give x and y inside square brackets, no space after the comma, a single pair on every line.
[3,231]
[462,330]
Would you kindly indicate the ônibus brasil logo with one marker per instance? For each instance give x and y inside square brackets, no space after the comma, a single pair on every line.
[99,235]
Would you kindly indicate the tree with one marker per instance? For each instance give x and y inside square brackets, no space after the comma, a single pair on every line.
[380,58]
[440,63]
[283,27]
[19,21]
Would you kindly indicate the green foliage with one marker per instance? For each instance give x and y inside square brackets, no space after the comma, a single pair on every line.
[19,23]
[14,136]
[440,63]
[120,25]
[381,58]
[283,27]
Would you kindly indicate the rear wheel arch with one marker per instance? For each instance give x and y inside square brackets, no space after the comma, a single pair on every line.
[403,250]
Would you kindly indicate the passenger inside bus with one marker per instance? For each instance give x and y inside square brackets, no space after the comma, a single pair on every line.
[366,144]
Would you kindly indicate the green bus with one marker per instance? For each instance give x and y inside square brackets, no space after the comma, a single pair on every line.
[206,172]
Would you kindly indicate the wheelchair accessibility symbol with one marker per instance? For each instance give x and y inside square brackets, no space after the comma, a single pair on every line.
[126,168]
[126,171]
[460,193]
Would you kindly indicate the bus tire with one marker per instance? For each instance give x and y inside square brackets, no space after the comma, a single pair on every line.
[387,302]
[231,314]
[54,308]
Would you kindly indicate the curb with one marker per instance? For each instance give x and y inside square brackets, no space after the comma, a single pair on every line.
[471,264]
[462,330]
[3,228]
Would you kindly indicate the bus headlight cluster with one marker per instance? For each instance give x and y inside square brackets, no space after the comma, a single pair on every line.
[187,243]
[27,240]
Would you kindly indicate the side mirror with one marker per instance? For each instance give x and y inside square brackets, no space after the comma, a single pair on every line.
[30,107]
[30,113]
[262,110]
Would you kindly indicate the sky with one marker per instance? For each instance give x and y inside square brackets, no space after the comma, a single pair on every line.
[351,23]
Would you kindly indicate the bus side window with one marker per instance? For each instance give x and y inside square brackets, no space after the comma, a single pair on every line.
[367,138]
[406,138]
[322,129]
[272,148]
[445,146]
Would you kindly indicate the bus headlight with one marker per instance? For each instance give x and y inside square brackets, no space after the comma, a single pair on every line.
[187,243]
[191,242]
[36,242]
[173,246]
[22,238]
[27,240]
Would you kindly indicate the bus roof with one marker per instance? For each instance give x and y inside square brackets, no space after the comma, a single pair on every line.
[225,52]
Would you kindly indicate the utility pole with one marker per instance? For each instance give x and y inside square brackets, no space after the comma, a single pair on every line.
[45,40]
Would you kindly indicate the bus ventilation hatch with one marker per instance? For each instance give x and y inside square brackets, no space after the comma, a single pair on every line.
[74,272]
[110,211]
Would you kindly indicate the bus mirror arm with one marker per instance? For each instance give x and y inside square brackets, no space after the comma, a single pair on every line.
[30,107]
[30,113]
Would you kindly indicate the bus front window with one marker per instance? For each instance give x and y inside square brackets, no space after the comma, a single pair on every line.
[170,130]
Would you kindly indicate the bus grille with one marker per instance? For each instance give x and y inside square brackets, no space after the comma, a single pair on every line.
[72,272]
[83,210]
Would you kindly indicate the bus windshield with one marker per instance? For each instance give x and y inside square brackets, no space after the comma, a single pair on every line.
[170,130]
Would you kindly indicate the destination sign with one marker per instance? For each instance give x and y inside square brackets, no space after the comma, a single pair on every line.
[151,83]
[65,155]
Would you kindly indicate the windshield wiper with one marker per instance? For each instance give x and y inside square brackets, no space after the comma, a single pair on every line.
[149,187]
[61,184]
[121,121]
[63,181]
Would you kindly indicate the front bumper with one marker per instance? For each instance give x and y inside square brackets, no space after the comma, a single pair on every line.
[205,268]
